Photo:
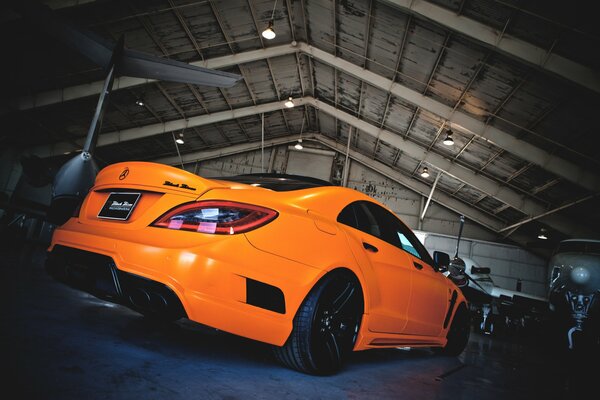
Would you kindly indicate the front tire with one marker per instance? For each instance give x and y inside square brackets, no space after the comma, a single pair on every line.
[458,334]
[325,326]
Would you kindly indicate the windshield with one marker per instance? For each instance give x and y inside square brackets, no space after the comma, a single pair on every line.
[579,246]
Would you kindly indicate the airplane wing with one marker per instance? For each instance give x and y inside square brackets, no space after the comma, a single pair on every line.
[498,291]
[530,303]
[141,65]
[482,290]
[522,302]
[132,63]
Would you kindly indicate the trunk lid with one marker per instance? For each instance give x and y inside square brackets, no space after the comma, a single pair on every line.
[134,194]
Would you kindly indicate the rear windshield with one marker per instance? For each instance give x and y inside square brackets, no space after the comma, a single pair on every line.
[277,182]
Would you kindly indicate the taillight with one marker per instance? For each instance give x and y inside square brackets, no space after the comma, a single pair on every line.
[216,216]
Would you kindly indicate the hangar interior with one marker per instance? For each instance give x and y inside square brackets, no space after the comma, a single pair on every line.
[377,86]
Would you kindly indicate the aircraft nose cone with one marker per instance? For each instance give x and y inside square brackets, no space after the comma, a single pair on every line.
[580,275]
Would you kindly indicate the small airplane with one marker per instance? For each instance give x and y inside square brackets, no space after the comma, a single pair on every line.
[493,303]
[574,295]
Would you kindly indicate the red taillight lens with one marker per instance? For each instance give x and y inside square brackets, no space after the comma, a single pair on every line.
[216,216]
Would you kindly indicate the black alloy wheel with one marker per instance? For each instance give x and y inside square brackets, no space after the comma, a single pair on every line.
[325,327]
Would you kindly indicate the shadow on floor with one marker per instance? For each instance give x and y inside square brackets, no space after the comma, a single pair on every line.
[59,343]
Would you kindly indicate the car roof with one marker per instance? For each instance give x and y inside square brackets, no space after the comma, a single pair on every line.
[276,182]
[325,197]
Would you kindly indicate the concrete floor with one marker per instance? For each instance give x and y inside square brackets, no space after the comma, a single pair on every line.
[58,343]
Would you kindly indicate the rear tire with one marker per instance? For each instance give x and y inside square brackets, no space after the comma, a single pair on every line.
[325,326]
[458,334]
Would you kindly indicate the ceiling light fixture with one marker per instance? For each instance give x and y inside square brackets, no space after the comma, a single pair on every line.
[448,141]
[289,103]
[179,140]
[542,234]
[298,146]
[139,102]
[269,33]
[425,172]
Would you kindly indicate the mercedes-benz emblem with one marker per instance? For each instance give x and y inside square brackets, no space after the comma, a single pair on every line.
[124,174]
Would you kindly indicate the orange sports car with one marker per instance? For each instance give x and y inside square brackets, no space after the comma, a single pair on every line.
[313,269]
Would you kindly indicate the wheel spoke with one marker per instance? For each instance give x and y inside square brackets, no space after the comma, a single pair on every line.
[343,298]
[333,348]
[325,350]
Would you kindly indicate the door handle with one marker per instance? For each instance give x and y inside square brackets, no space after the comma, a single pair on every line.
[370,247]
[417,265]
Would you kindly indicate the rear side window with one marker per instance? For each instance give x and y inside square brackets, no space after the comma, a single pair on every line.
[387,223]
[358,216]
[348,217]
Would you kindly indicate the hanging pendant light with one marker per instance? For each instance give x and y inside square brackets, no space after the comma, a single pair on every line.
[298,145]
[269,33]
[425,172]
[448,141]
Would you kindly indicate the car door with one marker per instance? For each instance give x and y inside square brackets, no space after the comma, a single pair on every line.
[430,294]
[390,267]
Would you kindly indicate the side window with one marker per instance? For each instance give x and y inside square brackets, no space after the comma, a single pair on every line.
[403,237]
[367,222]
[358,216]
[387,223]
[348,216]
[406,245]
[416,245]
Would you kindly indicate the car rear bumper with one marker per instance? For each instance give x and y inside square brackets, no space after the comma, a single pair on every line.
[98,274]
[227,284]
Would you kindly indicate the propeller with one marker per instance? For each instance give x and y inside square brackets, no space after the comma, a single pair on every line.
[457,268]
[77,176]
[462,223]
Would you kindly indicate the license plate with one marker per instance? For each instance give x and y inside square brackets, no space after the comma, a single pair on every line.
[119,206]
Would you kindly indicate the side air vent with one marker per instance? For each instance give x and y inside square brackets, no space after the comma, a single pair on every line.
[265,296]
[452,304]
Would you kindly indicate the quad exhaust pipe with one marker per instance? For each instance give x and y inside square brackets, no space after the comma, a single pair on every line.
[144,299]
[98,275]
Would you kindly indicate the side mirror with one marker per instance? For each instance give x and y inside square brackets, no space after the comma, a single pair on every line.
[441,260]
